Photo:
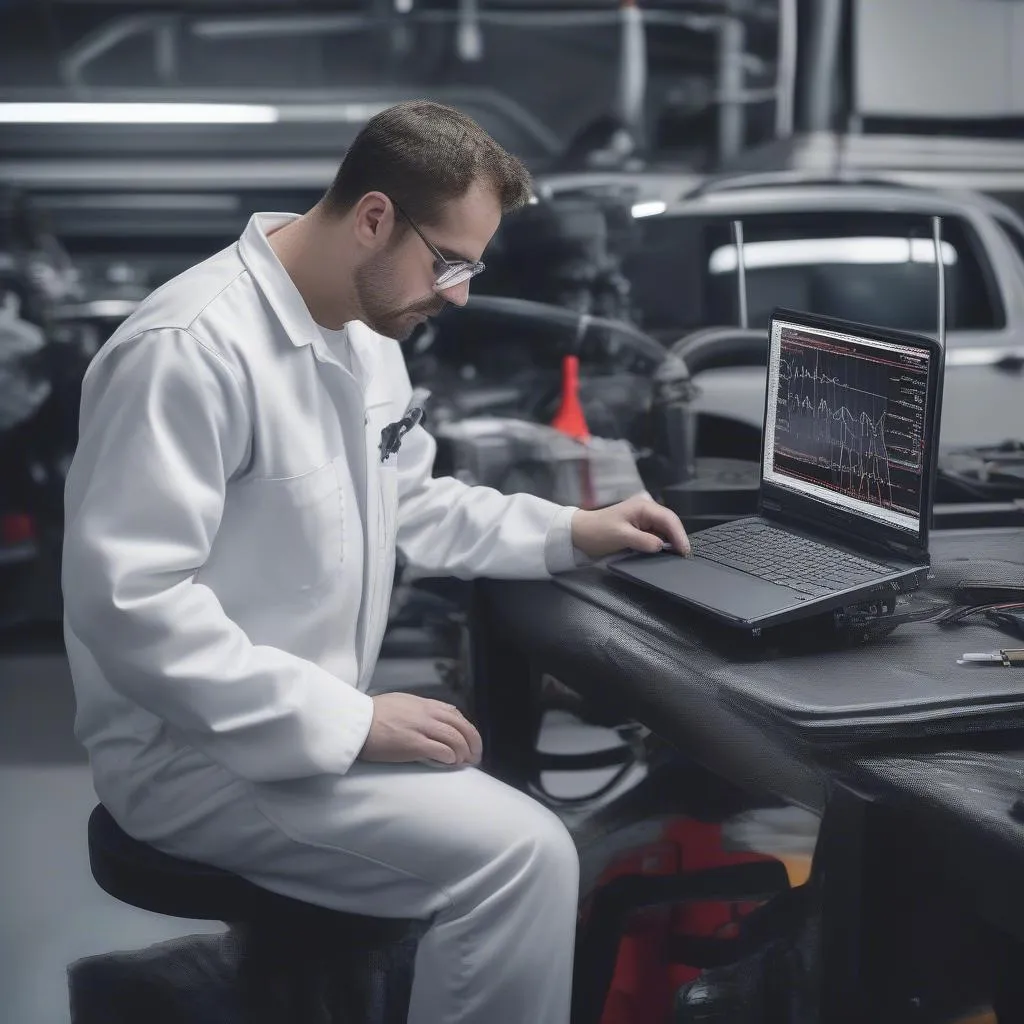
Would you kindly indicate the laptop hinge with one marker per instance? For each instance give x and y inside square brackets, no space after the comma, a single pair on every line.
[909,551]
[879,545]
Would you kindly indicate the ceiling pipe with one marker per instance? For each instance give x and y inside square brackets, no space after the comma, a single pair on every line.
[469,39]
[632,86]
[161,27]
[731,82]
[785,76]
[823,60]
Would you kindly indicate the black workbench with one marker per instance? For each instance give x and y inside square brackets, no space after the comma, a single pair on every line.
[898,748]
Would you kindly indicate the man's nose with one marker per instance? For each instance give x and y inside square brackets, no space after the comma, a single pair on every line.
[458,295]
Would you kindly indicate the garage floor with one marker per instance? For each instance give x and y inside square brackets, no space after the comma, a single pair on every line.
[51,911]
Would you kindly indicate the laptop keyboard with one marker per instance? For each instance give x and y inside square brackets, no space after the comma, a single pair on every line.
[785,558]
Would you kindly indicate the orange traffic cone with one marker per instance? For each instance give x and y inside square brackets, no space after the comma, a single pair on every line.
[570,419]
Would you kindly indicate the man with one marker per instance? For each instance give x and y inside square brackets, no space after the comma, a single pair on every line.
[232,519]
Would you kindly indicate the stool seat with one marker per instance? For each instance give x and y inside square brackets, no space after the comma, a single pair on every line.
[289,962]
[141,875]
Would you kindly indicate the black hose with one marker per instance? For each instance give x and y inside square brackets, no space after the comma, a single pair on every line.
[576,327]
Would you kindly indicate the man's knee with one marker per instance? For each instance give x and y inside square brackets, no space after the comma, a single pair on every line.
[554,849]
[517,837]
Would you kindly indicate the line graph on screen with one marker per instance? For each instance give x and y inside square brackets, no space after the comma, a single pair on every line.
[847,421]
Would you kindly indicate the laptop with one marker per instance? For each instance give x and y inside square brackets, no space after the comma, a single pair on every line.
[848,458]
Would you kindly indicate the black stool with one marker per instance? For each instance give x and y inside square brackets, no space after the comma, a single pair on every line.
[285,962]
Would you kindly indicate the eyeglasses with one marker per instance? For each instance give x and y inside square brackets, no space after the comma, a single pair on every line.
[448,273]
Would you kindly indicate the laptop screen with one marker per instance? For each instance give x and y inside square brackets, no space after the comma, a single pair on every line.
[846,422]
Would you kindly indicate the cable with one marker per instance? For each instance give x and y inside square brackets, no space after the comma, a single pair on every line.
[633,738]
[1006,620]
[955,616]
[576,801]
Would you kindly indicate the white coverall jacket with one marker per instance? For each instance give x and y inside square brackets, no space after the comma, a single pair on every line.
[229,552]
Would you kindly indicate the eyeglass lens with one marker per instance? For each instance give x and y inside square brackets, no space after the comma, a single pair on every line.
[449,276]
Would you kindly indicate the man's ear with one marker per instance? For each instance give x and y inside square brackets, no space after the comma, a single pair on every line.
[374,219]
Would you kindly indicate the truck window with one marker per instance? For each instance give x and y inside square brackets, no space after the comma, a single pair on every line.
[1015,235]
[860,265]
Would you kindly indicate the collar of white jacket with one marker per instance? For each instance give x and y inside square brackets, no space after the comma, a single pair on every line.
[279,289]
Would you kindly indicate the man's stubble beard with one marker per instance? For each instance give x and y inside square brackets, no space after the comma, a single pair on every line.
[376,286]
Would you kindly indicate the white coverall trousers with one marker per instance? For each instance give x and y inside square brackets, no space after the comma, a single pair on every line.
[497,868]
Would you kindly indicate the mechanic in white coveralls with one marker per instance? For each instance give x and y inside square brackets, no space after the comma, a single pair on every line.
[229,552]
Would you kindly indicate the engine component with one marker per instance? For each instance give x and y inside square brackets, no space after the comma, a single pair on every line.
[515,456]
[568,252]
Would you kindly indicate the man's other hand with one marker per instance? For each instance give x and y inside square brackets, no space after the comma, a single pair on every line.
[410,728]
[638,524]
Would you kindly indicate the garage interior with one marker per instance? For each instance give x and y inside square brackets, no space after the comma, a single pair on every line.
[696,164]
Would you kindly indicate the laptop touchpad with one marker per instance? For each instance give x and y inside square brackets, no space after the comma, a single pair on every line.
[702,582]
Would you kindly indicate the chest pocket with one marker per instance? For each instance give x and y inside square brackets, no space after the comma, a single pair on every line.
[296,526]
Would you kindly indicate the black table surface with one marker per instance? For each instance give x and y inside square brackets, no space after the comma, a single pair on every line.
[959,805]
[648,659]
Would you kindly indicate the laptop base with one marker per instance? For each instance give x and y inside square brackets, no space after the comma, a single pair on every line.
[737,599]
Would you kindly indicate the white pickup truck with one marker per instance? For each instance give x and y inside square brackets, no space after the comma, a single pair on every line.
[856,249]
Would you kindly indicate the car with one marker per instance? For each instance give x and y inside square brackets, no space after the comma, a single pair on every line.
[859,249]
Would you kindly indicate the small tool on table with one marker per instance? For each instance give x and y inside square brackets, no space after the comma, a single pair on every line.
[1006,658]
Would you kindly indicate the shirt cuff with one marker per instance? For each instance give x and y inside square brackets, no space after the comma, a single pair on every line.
[559,553]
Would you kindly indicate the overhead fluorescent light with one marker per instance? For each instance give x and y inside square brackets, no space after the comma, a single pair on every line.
[137,113]
[651,209]
[805,252]
[348,113]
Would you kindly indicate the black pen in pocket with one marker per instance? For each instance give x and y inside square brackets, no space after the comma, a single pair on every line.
[391,436]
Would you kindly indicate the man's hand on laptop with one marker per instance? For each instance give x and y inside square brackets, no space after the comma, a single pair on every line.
[638,524]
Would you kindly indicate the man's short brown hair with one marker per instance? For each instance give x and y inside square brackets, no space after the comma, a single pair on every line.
[423,155]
